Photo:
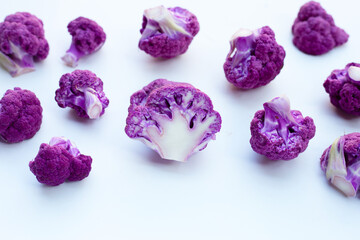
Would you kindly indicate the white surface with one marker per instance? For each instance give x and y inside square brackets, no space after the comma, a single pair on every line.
[225,192]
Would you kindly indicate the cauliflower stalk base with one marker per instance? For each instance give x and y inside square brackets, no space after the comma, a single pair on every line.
[160,18]
[336,171]
[66,144]
[90,103]
[242,43]
[176,139]
[278,117]
[354,73]
[18,63]
[72,56]
[93,105]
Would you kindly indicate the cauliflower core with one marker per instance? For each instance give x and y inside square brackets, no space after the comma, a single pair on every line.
[166,142]
[341,164]
[174,119]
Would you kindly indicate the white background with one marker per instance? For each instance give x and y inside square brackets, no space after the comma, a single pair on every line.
[226,191]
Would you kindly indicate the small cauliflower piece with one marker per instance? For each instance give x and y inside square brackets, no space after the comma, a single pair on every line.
[343,87]
[60,161]
[280,133]
[174,119]
[82,90]
[315,32]
[254,59]
[341,164]
[87,38]
[20,115]
[167,32]
[22,42]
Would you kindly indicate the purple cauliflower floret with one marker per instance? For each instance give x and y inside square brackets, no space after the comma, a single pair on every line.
[167,32]
[255,58]
[22,41]
[343,87]
[80,168]
[341,163]
[87,37]
[60,161]
[315,32]
[82,90]
[51,166]
[20,115]
[280,133]
[174,119]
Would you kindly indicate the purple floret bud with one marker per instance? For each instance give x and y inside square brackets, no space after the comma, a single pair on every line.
[280,133]
[343,87]
[341,164]
[167,32]
[174,119]
[20,115]
[82,90]
[22,41]
[87,38]
[60,161]
[315,32]
[254,58]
